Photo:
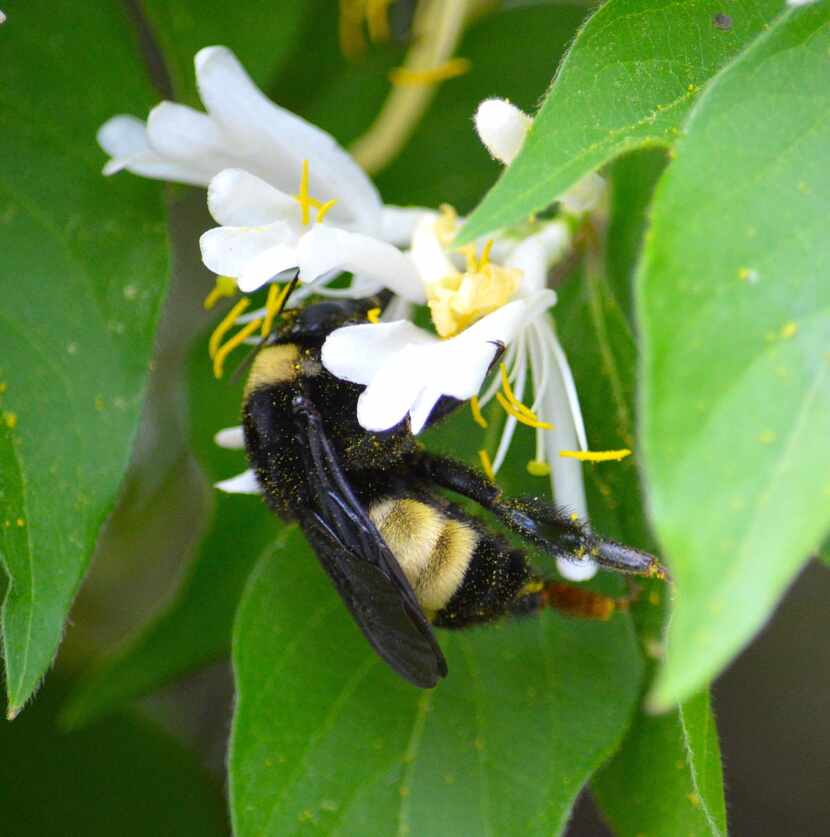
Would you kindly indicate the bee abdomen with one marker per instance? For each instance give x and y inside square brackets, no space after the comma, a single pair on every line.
[433,550]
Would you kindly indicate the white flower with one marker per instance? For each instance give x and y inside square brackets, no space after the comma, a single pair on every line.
[502,127]
[252,154]
[406,369]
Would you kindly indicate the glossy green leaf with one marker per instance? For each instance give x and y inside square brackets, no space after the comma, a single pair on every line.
[633,791]
[262,36]
[735,315]
[666,780]
[628,81]
[326,737]
[195,627]
[122,776]
[83,275]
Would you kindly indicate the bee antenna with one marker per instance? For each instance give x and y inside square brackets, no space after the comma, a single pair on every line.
[249,358]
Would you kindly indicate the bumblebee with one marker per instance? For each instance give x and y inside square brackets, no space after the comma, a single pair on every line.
[403,558]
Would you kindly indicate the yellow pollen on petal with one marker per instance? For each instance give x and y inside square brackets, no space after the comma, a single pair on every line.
[406,77]
[226,325]
[373,315]
[475,409]
[538,468]
[238,338]
[225,286]
[487,465]
[596,455]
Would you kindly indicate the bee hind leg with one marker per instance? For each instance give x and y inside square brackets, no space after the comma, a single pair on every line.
[551,529]
[570,600]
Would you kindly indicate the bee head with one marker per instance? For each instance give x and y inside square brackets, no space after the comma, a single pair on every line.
[314,323]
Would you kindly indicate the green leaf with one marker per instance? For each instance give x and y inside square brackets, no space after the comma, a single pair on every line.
[195,627]
[445,150]
[735,314]
[635,791]
[124,775]
[629,80]
[325,735]
[84,271]
[262,36]
[667,778]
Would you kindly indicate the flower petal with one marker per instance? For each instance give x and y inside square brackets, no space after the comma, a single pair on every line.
[393,391]
[231,438]
[180,133]
[324,248]
[244,483]
[584,195]
[398,223]
[239,199]
[420,411]
[274,141]
[228,250]
[264,267]
[576,570]
[428,252]
[357,353]
[124,138]
[535,254]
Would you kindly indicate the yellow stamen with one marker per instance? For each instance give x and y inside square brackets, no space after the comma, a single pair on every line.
[225,286]
[378,20]
[538,468]
[475,409]
[373,315]
[484,259]
[406,77]
[323,209]
[275,301]
[596,455]
[226,325]
[302,197]
[240,337]
[511,397]
[487,465]
[510,408]
[469,253]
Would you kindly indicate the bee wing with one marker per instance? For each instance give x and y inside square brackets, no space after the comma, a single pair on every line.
[361,566]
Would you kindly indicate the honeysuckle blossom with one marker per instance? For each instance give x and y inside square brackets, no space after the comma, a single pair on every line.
[406,370]
[284,192]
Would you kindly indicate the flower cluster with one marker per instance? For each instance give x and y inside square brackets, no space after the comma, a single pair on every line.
[290,201]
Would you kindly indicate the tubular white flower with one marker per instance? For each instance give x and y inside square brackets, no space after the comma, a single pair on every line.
[250,153]
[242,129]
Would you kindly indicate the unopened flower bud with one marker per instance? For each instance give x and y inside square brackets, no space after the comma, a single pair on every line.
[502,128]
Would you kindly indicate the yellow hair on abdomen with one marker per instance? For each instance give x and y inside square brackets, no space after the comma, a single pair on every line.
[433,550]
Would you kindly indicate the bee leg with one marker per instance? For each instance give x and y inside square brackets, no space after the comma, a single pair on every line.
[570,600]
[542,524]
